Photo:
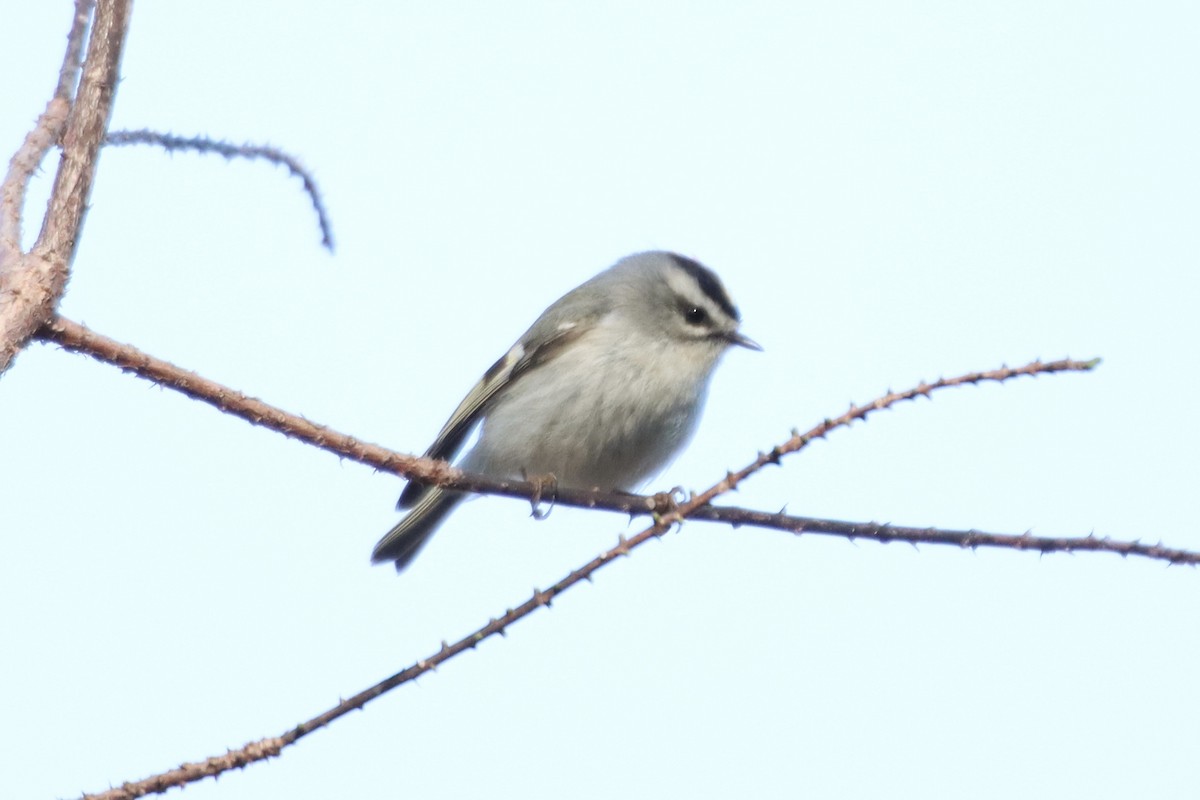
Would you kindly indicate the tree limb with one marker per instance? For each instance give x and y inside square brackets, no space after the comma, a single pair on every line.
[68,74]
[78,338]
[969,539]
[272,746]
[31,285]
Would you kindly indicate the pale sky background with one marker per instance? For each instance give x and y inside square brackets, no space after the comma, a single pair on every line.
[891,191]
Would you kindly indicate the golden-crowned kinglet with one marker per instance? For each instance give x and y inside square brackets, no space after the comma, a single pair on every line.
[601,392]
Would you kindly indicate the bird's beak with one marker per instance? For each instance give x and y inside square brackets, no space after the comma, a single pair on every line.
[742,340]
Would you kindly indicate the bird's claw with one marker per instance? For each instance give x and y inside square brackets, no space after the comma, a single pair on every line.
[542,483]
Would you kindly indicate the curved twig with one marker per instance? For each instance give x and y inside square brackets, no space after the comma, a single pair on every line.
[13,271]
[202,144]
[38,141]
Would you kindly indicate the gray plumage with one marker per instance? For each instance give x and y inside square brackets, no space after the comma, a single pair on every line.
[601,392]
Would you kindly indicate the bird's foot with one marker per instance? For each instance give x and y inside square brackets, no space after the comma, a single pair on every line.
[545,484]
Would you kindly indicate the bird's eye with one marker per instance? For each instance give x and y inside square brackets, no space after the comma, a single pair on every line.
[695,315]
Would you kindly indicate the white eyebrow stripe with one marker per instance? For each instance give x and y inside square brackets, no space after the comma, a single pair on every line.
[686,289]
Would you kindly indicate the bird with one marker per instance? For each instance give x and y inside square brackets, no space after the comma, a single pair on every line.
[602,391]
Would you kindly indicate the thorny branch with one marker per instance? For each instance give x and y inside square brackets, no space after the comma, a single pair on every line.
[968,539]
[68,74]
[32,283]
[84,134]
[12,196]
[77,338]
[38,142]
[203,144]
[690,508]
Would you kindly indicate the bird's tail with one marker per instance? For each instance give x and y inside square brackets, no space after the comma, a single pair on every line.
[403,542]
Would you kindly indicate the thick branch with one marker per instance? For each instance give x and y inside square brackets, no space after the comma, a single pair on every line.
[85,133]
[31,285]
[13,271]
[38,142]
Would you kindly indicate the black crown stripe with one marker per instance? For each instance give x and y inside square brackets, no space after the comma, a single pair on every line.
[709,283]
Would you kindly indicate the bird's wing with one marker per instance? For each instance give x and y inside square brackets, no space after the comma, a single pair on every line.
[520,359]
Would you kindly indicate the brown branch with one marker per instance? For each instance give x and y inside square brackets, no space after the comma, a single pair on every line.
[12,200]
[68,74]
[38,142]
[273,746]
[85,133]
[78,338]
[31,285]
[968,539]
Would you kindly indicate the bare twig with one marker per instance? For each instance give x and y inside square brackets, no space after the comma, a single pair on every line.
[68,75]
[84,134]
[77,338]
[969,539]
[799,441]
[13,272]
[38,142]
[273,746]
[32,284]
[203,144]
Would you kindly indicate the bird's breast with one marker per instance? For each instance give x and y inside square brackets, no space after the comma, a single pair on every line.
[604,414]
